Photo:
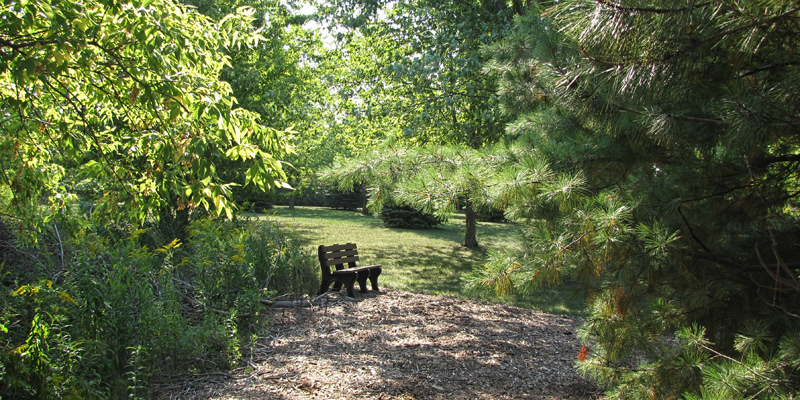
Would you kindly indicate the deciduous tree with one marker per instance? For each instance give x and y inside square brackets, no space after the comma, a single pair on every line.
[281,79]
[130,92]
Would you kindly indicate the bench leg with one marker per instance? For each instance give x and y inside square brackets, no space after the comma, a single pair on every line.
[348,280]
[373,278]
[349,286]
[362,280]
[323,288]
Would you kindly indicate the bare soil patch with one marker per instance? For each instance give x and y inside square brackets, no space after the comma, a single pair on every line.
[401,345]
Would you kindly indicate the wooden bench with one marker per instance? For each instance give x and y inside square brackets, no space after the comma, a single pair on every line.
[338,255]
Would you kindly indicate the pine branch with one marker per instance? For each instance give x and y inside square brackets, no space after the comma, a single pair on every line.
[691,231]
[752,25]
[779,159]
[649,10]
[584,234]
[709,256]
[743,365]
[778,267]
[766,68]
[716,194]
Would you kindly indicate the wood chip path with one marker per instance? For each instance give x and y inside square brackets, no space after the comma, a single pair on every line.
[400,345]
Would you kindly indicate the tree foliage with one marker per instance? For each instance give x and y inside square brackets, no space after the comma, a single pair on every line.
[407,218]
[416,66]
[661,172]
[279,79]
[127,92]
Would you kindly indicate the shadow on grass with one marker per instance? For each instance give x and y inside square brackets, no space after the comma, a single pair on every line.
[428,268]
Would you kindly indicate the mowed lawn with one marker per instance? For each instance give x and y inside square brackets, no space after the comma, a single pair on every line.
[431,260]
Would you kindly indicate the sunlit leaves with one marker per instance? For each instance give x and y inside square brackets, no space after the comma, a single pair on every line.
[132,93]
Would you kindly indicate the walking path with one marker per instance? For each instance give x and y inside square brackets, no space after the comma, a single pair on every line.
[401,345]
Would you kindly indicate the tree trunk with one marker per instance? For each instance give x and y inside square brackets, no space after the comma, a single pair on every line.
[519,6]
[291,202]
[470,236]
[362,190]
[173,221]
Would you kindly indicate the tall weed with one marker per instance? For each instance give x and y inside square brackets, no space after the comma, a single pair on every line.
[111,314]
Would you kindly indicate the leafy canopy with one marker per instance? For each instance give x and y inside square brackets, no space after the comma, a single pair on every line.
[281,79]
[128,92]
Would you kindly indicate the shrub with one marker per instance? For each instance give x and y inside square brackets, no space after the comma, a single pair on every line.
[408,218]
[491,215]
[345,200]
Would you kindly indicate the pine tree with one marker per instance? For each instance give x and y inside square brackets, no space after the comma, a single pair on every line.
[657,161]
[435,179]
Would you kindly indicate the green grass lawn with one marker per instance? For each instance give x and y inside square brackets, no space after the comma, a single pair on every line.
[430,260]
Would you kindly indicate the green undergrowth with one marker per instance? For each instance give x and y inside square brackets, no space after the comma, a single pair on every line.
[430,260]
[100,313]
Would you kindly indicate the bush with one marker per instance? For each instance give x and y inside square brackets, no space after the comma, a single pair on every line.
[408,218]
[346,200]
[112,314]
[491,215]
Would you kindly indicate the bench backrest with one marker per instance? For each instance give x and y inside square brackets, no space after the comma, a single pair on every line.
[338,255]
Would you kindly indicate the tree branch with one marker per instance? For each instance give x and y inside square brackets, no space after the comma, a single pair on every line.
[691,231]
[649,10]
[752,25]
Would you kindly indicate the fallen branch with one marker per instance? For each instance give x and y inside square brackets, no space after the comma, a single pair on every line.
[288,303]
[238,315]
[320,300]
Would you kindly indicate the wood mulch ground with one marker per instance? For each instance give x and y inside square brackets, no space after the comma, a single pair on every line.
[400,345]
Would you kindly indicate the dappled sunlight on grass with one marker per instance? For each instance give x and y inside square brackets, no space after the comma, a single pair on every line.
[431,260]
